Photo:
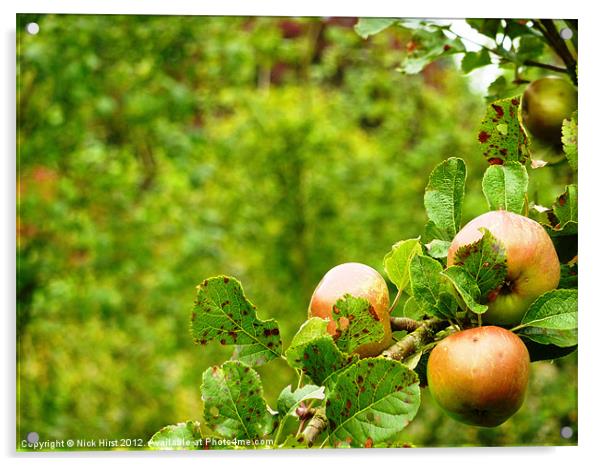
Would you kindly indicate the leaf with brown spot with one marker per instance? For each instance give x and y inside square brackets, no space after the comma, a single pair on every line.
[322,360]
[569,140]
[356,315]
[566,207]
[183,436]
[506,139]
[223,313]
[377,412]
[473,257]
[428,44]
[233,396]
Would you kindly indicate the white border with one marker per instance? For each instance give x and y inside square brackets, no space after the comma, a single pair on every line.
[590,31]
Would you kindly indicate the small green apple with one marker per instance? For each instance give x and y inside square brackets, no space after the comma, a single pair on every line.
[546,103]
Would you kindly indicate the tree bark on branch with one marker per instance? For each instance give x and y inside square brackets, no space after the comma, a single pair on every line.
[424,334]
[315,426]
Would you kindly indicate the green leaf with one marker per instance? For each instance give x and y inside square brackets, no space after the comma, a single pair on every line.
[292,442]
[412,360]
[438,248]
[412,309]
[289,401]
[529,48]
[447,305]
[223,313]
[444,195]
[421,367]
[233,402]
[501,135]
[552,319]
[539,352]
[569,139]
[544,336]
[505,186]
[568,276]
[422,24]
[485,260]
[372,401]
[427,45]
[311,329]
[501,88]
[518,27]
[433,232]
[355,319]
[314,351]
[183,436]
[487,27]
[566,207]
[564,215]
[322,360]
[397,261]
[425,280]
[367,27]
[466,287]
[474,60]
[570,228]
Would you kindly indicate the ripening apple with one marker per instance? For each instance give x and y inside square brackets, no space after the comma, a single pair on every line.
[532,263]
[546,103]
[361,281]
[479,376]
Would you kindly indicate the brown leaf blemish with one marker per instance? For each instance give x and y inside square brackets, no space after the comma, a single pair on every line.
[498,110]
[483,136]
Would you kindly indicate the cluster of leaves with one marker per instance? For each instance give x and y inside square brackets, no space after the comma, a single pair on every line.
[460,291]
[365,403]
[511,44]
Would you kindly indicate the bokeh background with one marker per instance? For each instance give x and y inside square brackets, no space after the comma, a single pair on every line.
[154,152]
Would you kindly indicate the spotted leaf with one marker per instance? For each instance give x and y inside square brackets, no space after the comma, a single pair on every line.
[223,313]
[182,436]
[373,400]
[501,135]
[233,402]
[485,260]
[356,321]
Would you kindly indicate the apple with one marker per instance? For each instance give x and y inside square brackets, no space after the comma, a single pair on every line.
[361,281]
[479,376]
[545,104]
[532,263]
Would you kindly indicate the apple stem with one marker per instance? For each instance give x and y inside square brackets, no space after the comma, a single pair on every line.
[479,320]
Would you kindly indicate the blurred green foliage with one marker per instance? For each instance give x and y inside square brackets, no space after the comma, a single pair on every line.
[154,152]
